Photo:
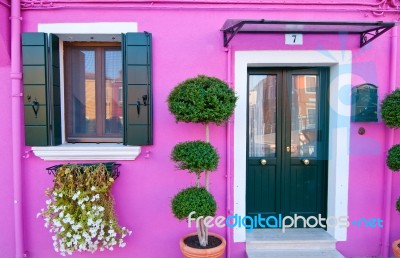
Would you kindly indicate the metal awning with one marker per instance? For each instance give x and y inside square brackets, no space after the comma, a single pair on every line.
[368,31]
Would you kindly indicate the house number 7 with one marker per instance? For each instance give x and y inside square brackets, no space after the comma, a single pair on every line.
[294,39]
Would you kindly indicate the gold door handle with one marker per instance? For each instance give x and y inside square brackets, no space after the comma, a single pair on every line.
[263,162]
[305,162]
[288,149]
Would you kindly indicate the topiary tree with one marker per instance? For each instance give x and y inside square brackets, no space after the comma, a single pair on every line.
[390,109]
[393,158]
[196,157]
[203,100]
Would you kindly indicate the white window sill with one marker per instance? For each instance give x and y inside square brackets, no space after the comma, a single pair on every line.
[87,151]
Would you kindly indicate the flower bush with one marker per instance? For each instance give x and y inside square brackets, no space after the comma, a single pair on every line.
[80,211]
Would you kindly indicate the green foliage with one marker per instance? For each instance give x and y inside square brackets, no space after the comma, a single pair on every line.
[393,158]
[195,156]
[194,199]
[390,109]
[202,100]
[398,204]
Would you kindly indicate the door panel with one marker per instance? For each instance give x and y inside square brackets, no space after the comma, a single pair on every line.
[264,143]
[287,142]
[263,198]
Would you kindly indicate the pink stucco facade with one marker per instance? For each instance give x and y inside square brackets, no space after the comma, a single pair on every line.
[187,41]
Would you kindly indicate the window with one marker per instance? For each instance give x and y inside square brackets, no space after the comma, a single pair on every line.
[310,83]
[107,90]
[93,79]
[311,116]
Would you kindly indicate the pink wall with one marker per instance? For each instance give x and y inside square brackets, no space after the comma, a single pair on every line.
[187,42]
[6,180]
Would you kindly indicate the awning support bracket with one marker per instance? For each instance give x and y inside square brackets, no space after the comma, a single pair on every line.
[368,36]
[231,32]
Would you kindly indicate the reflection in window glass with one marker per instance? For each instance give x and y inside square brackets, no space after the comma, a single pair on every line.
[113,81]
[83,92]
[304,113]
[262,115]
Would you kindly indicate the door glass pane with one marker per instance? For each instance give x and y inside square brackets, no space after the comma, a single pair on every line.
[304,122]
[113,83]
[83,120]
[262,116]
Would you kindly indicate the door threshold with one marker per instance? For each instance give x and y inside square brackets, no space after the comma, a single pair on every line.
[290,234]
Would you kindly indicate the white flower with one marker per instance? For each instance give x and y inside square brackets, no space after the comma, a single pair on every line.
[96,234]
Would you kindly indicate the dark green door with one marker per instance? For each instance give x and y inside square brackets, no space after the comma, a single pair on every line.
[287,142]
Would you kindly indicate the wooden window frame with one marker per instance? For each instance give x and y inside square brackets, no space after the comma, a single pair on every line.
[99,49]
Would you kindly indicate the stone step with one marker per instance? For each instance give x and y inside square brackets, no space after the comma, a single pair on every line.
[294,254]
[300,242]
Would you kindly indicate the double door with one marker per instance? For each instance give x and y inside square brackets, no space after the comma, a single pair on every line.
[287,146]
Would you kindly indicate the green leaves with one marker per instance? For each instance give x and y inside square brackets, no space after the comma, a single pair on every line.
[202,100]
[398,205]
[393,158]
[195,156]
[199,100]
[390,109]
[194,199]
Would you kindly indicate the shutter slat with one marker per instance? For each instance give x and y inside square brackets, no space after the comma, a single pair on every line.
[137,89]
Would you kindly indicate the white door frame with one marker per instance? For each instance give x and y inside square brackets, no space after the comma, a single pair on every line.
[339,124]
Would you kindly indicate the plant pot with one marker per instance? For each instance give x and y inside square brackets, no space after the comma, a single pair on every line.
[190,252]
[396,248]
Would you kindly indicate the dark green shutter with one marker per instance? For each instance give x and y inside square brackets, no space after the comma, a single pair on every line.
[34,57]
[55,90]
[40,71]
[137,89]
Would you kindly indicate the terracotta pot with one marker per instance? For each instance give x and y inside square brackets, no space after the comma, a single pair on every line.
[396,248]
[190,252]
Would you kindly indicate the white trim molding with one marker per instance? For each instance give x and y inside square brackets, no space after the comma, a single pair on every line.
[88,28]
[339,124]
[87,151]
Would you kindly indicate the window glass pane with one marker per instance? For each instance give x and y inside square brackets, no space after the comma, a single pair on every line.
[262,116]
[113,83]
[83,119]
[304,116]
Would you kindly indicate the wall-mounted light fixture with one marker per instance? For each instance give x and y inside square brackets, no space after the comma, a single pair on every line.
[364,103]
